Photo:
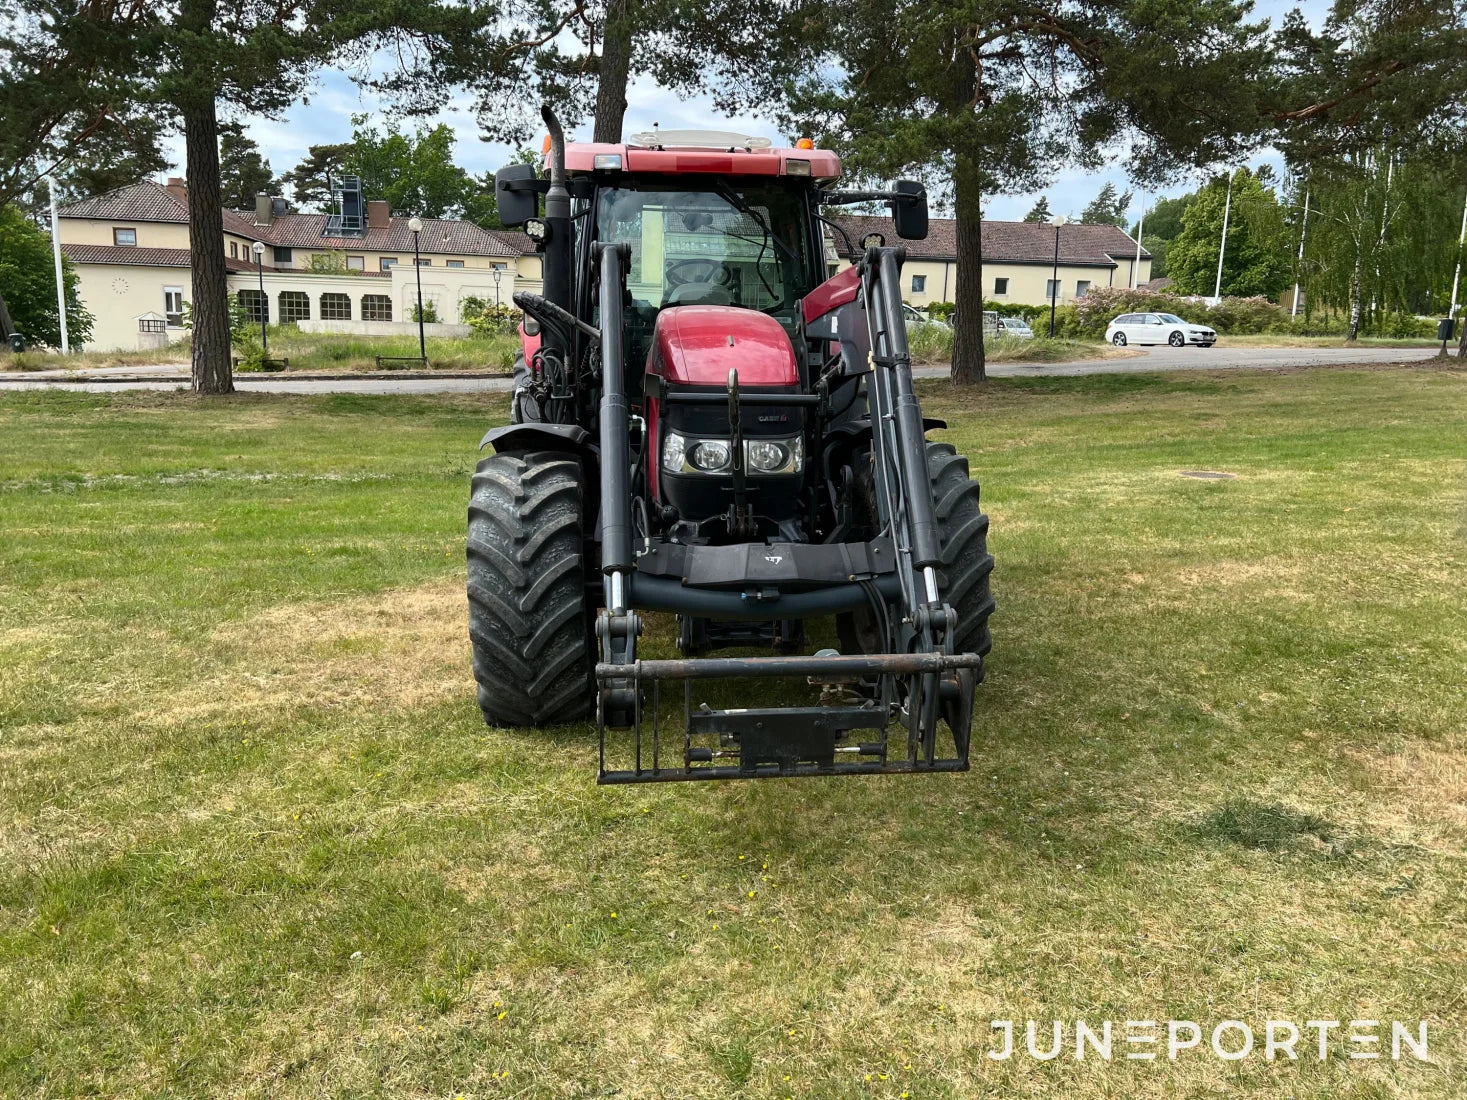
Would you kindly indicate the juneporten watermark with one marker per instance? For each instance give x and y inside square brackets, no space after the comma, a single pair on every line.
[1227,1040]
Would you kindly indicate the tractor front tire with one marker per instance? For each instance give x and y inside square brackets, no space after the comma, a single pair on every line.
[529,622]
[962,529]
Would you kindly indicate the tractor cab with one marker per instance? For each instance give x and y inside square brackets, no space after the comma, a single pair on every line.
[710,423]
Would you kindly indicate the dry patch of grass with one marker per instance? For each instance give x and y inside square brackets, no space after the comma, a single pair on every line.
[399,649]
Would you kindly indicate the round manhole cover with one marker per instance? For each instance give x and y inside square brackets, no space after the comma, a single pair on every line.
[1209,475]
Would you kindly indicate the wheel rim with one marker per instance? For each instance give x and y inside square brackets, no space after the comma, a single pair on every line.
[1120,340]
[1177,340]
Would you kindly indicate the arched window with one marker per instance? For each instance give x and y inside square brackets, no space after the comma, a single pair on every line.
[295,305]
[335,307]
[376,307]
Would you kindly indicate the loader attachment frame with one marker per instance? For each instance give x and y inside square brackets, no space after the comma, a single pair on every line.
[896,697]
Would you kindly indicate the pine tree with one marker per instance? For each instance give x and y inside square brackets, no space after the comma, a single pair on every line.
[1107,208]
[243,172]
[65,68]
[1039,212]
[1000,97]
[310,180]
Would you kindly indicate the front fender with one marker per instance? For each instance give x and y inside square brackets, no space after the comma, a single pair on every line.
[540,436]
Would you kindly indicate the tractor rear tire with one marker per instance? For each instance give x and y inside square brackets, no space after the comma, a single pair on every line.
[963,533]
[529,621]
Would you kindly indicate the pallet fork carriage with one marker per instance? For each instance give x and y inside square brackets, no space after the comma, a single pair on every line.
[764,467]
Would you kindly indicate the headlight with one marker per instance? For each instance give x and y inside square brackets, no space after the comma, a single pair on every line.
[684,455]
[709,455]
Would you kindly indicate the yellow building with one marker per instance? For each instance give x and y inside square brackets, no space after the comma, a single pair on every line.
[329,273]
[131,251]
[1018,259]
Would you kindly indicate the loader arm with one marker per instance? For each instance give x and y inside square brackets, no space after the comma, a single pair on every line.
[917,669]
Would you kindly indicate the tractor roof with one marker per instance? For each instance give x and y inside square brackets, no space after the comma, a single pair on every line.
[676,152]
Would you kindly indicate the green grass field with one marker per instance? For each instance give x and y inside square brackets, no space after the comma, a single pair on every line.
[256,841]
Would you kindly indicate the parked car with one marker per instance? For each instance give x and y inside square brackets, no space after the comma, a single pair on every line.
[1158,328]
[917,317]
[1015,328]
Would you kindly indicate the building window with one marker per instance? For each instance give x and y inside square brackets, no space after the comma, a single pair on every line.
[152,324]
[356,263]
[376,307]
[1000,287]
[233,250]
[387,263]
[294,306]
[500,267]
[1051,289]
[919,284]
[425,263]
[336,307]
[282,256]
[173,305]
[1082,288]
[255,305]
[455,263]
[125,238]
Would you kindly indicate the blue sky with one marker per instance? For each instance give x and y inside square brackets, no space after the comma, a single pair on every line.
[326,117]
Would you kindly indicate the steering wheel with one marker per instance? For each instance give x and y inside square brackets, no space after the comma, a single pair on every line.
[714,272]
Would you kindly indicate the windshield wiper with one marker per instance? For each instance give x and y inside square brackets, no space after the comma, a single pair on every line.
[737,201]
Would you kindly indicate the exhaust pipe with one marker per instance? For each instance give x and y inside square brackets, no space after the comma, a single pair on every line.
[557,274]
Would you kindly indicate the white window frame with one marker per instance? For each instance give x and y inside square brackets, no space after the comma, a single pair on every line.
[386,263]
[170,313]
[1054,289]
[116,229]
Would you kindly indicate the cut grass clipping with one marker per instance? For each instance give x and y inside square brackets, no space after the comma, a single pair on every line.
[256,841]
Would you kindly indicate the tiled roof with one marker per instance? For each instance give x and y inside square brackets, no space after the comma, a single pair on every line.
[1003,242]
[152,202]
[137,257]
[439,236]
[142,202]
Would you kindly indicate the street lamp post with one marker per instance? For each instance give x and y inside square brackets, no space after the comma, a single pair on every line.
[1056,221]
[258,248]
[497,274]
[416,225]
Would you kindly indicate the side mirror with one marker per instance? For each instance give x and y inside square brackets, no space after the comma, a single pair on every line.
[909,213]
[515,207]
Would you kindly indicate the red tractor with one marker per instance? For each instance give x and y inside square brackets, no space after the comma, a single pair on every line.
[761,467]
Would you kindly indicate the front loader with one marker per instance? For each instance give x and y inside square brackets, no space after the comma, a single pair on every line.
[708,423]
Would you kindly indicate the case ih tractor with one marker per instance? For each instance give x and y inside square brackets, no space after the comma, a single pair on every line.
[707,423]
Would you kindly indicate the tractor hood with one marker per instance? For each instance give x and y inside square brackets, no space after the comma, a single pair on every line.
[699,345]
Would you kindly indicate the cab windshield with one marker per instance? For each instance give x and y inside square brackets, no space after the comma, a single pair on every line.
[720,246]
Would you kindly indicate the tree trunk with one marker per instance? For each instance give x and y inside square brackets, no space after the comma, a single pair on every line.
[969,365]
[616,61]
[7,326]
[1355,289]
[211,367]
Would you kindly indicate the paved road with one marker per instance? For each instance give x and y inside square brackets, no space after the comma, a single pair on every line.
[1152,359]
